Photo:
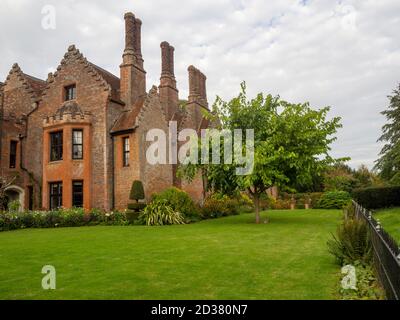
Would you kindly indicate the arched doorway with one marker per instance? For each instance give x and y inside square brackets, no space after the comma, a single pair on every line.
[15,193]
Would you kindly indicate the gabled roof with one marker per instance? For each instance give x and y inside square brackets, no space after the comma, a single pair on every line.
[33,85]
[127,120]
[130,119]
[106,79]
[36,84]
[111,79]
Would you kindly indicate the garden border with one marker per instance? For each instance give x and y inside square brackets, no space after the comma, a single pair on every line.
[386,253]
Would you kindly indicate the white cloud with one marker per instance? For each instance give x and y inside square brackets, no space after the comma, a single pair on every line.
[345,53]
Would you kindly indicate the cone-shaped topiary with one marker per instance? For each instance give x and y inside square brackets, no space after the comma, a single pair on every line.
[137,191]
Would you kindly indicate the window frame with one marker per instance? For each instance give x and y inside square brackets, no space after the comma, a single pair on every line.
[70,92]
[77,144]
[58,196]
[13,155]
[59,147]
[78,194]
[126,149]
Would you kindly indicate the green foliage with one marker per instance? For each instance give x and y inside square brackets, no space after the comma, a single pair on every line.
[137,191]
[136,206]
[301,199]
[74,217]
[268,202]
[220,206]
[180,201]
[159,213]
[132,215]
[343,178]
[349,211]
[388,164]
[314,198]
[351,243]
[339,178]
[114,218]
[291,144]
[13,206]
[374,198]
[368,287]
[334,200]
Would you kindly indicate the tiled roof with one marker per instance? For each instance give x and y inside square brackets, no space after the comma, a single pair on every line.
[111,79]
[36,84]
[127,119]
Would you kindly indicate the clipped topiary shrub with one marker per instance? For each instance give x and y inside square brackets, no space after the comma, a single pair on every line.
[334,200]
[375,198]
[137,191]
[159,213]
[136,206]
[132,215]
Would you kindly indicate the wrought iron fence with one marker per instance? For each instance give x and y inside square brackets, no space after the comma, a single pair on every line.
[386,253]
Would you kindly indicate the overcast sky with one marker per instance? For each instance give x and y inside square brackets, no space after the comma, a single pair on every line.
[343,54]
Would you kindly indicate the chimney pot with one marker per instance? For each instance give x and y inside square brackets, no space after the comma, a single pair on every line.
[138,37]
[130,31]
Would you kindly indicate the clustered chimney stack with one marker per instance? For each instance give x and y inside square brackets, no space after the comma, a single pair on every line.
[133,76]
[129,33]
[171,60]
[138,38]
[197,86]
[167,59]
[168,91]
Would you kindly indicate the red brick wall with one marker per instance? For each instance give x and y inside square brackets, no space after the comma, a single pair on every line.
[155,178]
[92,97]
[17,101]
[67,170]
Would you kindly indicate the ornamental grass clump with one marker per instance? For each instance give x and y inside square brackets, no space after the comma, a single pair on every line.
[159,213]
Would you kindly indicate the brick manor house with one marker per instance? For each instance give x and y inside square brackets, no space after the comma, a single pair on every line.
[78,138]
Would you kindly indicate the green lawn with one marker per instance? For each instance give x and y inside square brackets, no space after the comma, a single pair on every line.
[390,220]
[228,258]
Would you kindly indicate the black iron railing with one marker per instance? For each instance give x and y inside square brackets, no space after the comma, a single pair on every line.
[386,254]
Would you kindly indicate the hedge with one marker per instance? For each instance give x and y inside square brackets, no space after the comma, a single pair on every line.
[375,198]
[74,217]
[334,200]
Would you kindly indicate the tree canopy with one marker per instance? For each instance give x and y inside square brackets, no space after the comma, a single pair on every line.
[388,164]
[291,143]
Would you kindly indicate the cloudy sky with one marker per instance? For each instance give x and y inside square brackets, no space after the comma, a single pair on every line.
[344,54]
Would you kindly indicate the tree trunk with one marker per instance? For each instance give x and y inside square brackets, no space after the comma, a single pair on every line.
[257,207]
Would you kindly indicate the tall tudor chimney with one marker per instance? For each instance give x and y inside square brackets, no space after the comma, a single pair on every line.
[168,91]
[197,87]
[197,94]
[133,76]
